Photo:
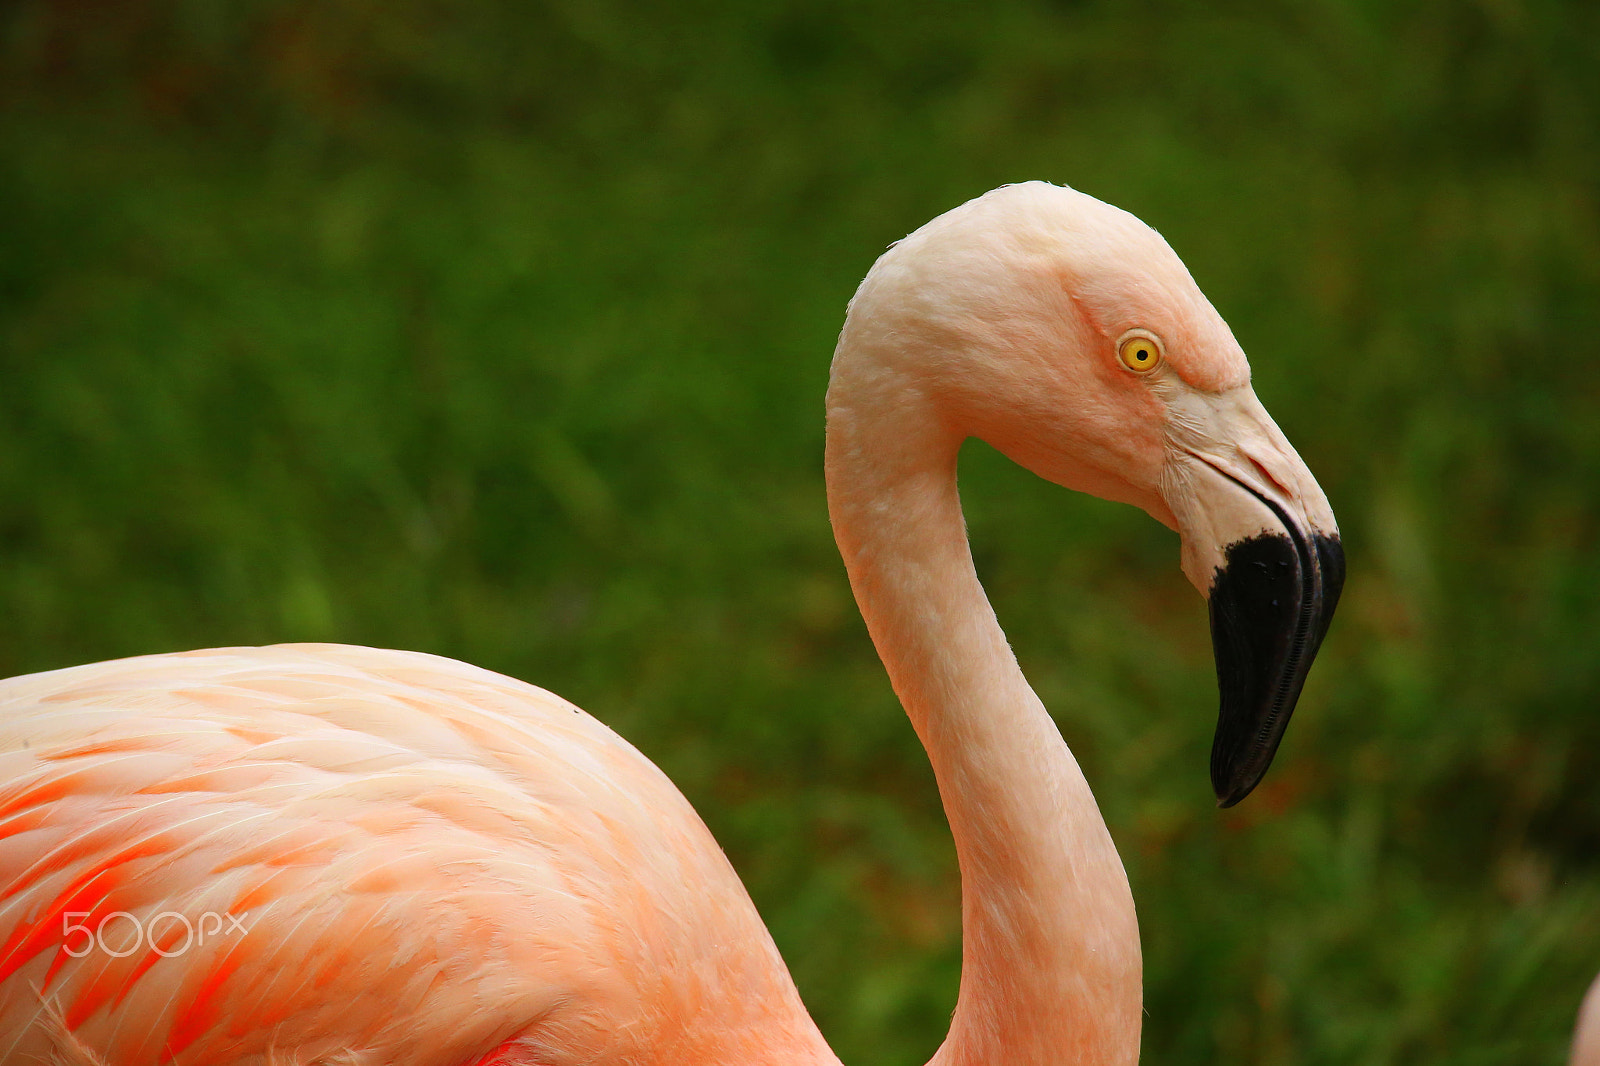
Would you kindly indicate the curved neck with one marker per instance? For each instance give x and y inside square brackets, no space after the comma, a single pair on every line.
[1050,945]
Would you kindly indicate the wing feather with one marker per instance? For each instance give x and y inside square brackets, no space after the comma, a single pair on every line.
[352,853]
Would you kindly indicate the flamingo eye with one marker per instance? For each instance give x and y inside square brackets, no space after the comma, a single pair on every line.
[1140,352]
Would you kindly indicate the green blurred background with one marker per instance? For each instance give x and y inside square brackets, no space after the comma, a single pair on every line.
[500,330]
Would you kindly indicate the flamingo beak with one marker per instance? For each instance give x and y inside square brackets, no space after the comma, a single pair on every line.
[1271,602]
[1261,544]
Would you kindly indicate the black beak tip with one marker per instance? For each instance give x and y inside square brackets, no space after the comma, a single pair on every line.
[1232,776]
[1270,607]
[1231,792]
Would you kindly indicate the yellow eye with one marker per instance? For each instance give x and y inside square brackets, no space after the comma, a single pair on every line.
[1140,352]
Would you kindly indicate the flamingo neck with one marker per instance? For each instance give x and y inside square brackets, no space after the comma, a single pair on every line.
[1051,970]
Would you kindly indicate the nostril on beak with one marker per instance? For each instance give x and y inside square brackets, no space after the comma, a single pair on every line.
[1267,476]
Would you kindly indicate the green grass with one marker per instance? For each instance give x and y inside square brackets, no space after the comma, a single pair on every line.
[501,332]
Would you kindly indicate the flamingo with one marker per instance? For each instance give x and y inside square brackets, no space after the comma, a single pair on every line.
[1586,1036]
[320,854]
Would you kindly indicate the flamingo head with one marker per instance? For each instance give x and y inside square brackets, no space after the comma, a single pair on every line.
[1068,334]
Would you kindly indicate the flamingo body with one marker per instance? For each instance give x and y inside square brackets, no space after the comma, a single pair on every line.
[427,860]
[1586,1037]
